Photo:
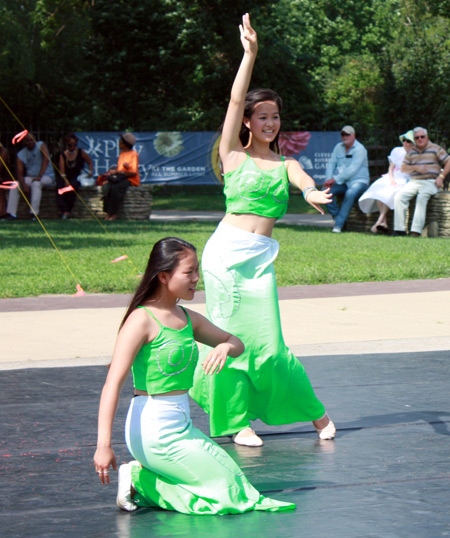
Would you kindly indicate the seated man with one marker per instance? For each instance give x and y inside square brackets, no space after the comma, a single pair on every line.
[423,163]
[34,160]
[348,174]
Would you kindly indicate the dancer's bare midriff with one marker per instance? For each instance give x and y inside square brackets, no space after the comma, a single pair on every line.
[251,223]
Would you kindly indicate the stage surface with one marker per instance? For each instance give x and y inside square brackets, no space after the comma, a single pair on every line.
[386,475]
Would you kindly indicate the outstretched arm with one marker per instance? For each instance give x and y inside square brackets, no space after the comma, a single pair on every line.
[233,120]
[304,182]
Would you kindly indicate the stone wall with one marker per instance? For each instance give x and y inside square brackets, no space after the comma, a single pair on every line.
[136,206]
[437,223]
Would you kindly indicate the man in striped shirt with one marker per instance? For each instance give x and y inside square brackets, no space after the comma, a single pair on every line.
[424,163]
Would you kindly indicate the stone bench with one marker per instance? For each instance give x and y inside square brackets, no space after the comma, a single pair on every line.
[136,205]
[437,223]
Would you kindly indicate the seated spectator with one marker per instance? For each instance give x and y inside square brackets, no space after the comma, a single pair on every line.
[71,164]
[424,163]
[33,160]
[4,176]
[380,195]
[118,180]
[347,173]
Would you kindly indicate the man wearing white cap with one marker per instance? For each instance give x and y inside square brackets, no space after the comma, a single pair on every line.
[348,174]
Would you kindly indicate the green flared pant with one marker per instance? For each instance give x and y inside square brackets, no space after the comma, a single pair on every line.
[179,468]
[267,381]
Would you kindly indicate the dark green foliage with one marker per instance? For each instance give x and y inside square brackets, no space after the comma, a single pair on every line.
[382,65]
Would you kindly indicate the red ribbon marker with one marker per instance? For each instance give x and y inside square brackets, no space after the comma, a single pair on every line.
[80,292]
[119,259]
[65,189]
[9,185]
[19,136]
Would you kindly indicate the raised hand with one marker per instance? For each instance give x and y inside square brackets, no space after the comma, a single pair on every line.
[249,38]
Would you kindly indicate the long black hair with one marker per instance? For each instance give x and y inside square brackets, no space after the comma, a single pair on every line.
[165,256]
[251,100]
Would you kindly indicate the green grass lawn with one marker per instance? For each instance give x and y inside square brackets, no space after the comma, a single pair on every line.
[29,264]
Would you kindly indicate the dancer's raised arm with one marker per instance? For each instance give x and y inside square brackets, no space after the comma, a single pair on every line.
[233,120]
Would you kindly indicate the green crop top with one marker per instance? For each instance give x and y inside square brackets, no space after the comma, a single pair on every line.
[248,189]
[167,362]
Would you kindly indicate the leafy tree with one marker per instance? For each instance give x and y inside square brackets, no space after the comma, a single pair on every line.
[421,68]
[169,64]
[41,61]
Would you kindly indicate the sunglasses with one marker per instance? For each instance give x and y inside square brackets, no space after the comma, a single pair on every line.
[406,140]
[420,137]
[346,134]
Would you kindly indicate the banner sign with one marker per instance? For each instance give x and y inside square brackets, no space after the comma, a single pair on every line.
[193,158]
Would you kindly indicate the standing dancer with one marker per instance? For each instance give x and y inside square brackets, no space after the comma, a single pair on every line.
[178,468]
[267,381]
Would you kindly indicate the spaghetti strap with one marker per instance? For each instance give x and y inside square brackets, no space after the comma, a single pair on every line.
[188,319]
[152,315]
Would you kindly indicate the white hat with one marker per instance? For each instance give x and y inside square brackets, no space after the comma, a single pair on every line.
[348,129]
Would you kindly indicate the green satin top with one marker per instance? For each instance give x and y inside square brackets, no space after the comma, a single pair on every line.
[168,362]
[248,189]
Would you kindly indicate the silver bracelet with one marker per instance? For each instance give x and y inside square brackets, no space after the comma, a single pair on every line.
[308,190]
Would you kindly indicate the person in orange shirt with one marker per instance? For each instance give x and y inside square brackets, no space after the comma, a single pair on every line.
[120,178]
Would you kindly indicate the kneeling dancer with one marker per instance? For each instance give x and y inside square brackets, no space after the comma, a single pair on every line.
[177,467]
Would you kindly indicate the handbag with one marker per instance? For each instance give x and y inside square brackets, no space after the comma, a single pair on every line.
[117,177]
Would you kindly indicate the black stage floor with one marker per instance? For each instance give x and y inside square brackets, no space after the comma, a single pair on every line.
[387,474]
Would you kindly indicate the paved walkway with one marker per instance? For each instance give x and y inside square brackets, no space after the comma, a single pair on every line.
[338,319]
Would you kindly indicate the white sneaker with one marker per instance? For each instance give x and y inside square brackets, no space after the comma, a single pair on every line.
[327,433]
[336,230]
[123,499]
[247,440]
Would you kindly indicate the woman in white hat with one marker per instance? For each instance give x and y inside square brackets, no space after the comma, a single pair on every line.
[380,195]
